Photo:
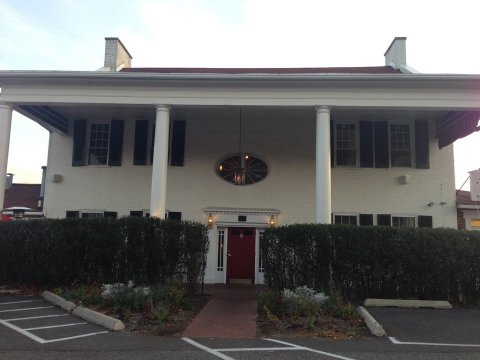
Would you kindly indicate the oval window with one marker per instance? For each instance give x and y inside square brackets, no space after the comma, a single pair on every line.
[242,169]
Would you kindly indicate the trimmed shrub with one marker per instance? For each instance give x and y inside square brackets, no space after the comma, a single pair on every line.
[102,250]
[359,262]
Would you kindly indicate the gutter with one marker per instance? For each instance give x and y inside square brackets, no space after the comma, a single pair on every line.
[118,76]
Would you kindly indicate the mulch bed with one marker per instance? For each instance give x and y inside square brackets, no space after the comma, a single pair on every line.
[176,323]
[325,326]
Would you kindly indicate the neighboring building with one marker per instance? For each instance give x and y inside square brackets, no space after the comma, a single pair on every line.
[245,149]
[468,211]
[23,200]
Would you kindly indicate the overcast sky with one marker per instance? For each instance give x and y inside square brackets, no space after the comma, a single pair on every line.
[443,37]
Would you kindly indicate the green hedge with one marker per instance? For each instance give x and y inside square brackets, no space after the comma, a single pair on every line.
[103,250]
[375,261]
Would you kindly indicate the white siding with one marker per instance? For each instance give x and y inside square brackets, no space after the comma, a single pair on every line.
[285,139]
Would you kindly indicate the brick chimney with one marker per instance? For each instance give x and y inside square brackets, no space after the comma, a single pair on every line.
[117,56]
[396,54]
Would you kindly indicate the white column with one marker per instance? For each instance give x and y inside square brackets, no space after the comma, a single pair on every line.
[158,193]
[323,183]
[5,126]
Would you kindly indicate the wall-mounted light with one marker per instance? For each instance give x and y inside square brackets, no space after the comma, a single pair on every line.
[442,203]
[210,221]
[272,220]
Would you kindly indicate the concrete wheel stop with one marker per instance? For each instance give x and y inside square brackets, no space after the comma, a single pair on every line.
[95,317]
[412,304]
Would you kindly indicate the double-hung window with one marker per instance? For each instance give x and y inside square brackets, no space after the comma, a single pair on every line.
[400,145]
[345,144]
[98,144]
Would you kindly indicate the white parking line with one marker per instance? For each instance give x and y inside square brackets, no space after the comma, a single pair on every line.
[290,347]
[44,341]
[23,332]
[258,349]
[311,350]
[54,326]
[18,302]
[9,323]
[26,309]
[35,317]
[397,342]
[207,349]
[74,337]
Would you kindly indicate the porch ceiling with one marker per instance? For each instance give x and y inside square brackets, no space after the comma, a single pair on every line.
[450,125]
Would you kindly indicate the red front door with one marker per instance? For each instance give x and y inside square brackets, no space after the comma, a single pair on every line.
[241,255]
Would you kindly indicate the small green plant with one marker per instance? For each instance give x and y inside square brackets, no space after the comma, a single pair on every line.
[311,321]
[175,296]
[269,299]
[338,307]
[160,313]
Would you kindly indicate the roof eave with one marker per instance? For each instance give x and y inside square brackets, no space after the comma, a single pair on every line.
[131,76]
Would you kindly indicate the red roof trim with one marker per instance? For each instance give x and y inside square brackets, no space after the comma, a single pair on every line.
[234,71]
[463,198]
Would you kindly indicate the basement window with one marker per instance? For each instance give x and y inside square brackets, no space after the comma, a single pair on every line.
[403,221]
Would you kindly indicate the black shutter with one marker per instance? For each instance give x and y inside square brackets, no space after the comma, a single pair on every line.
[178,143]
[421,145]
[425,221]
[384,220]
[380,130]
[116,143]
[140,146]
[366,144]
[332,144]
[79,138]
[366,219]
[72,214]
[153,145]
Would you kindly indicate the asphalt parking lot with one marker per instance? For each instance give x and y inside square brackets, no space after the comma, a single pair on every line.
[430,327]
[31,329]
[42,322]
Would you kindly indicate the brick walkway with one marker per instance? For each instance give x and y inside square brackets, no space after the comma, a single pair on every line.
[230,313]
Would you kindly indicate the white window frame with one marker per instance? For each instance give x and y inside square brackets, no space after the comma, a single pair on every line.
[89,135]
[411,129]
[357,140]
[356,123]
[415,217]
[100,213]
[356,215]
[221,255]
[260,268]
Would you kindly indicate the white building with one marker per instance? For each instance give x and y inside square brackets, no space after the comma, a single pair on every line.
[245,149]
